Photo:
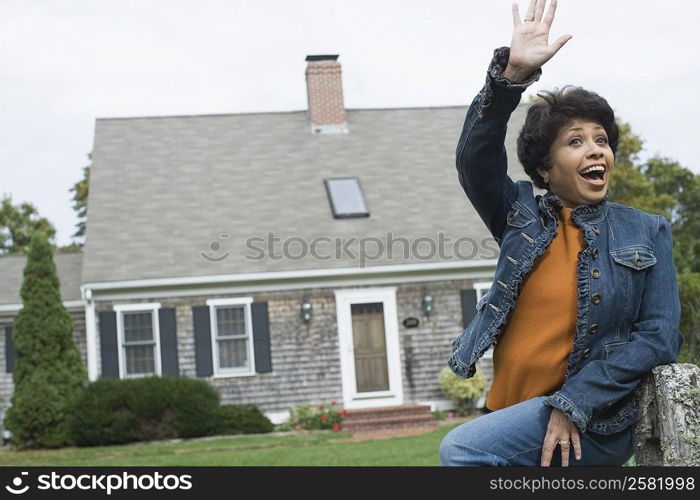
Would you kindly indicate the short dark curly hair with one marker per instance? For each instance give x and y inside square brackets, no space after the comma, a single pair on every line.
[545,118]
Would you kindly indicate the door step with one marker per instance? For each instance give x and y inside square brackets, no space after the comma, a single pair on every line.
[388,417]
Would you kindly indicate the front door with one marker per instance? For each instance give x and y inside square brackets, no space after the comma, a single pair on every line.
[369,347]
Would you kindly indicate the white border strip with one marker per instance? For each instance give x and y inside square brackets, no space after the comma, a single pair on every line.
[68,304]
[291,275]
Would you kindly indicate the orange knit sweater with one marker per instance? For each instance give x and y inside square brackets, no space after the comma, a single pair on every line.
[532,352]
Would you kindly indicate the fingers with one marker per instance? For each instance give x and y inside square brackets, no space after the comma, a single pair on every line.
[548,450]
[539,10]
[565,451]
[516,15]
[559,43]
[531,10]
[576,440]
[550,13]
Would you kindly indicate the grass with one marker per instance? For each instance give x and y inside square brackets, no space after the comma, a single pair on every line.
[321,448]
[313,449]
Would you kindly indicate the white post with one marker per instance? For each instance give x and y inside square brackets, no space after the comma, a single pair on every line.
[90,334]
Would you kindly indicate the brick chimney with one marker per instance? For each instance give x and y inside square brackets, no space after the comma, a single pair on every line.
[324,88]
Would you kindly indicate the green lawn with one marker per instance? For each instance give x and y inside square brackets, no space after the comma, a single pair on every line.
[312,449]
[318,448]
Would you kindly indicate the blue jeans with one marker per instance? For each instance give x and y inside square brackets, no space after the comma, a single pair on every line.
[514,436]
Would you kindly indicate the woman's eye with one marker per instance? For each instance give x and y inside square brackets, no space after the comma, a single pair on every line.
[603,139]
[575,140]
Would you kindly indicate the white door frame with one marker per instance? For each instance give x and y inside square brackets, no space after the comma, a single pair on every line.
[343,300]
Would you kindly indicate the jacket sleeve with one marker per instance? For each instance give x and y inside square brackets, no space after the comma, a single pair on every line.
[655,340]
[481,155]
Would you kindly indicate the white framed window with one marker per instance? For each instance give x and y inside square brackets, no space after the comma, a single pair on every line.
[138,332]
[232,336]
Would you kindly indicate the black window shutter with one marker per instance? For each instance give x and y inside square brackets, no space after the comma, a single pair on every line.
[109,344]
[10,353]
[261,337]
[468,306]
[202,341]
[168,342]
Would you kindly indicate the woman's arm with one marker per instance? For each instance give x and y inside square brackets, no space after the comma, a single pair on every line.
[481,156]
[482,165]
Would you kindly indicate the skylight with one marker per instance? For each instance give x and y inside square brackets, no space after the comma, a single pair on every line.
[347,200]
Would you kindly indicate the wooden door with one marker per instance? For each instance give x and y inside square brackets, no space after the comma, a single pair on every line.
[369,342]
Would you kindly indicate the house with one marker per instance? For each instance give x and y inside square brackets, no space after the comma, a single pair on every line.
[289,258]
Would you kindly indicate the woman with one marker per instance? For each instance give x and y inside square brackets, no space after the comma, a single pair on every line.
[594,281]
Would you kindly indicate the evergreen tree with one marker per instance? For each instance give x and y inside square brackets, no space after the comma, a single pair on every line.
[48,373]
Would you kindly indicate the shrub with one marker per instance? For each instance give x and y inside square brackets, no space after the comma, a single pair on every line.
[462,392]
[440,415]
[241,419]
[321,417]
[102,415]
[113,411]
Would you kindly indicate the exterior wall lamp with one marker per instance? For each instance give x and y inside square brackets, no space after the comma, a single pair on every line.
[427,304]
[306,310]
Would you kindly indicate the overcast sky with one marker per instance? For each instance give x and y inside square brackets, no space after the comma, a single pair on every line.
[64,63]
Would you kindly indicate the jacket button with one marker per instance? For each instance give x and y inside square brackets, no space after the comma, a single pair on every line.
[596,298]
[595,273]
[593,328]
[586,353]
[594,253]
[638,262]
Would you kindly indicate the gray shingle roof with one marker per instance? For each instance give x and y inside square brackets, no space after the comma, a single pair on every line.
[164,188]
[12,271]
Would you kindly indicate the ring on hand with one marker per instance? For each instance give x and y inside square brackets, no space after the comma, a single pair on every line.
[528,20]
[561,441]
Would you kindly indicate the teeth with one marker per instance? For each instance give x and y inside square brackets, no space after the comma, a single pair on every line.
[594,168]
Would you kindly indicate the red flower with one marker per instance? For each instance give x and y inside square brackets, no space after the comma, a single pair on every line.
[324,417]
[343,412]
[332,403]
[336,427]
[321,407]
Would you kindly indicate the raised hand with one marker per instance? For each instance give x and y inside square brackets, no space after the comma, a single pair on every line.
[530,48]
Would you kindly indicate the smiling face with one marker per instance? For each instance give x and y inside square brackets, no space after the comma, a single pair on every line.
[580,145]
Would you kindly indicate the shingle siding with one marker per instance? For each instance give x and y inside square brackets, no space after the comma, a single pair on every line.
[306,358]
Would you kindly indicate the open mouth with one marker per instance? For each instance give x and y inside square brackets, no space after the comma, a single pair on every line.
[594,175]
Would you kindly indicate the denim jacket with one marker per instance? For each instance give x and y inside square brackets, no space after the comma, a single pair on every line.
[628,305]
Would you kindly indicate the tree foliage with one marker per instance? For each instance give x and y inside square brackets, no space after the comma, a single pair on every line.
[48,373]
[80,196]
[17,223]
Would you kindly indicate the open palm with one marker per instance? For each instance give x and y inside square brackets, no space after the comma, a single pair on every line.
[530,48]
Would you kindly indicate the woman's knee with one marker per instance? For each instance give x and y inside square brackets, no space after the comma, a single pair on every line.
[447,450]
[461,447]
